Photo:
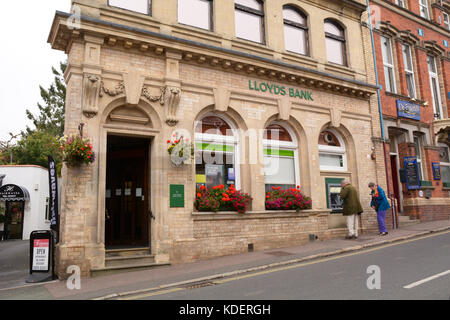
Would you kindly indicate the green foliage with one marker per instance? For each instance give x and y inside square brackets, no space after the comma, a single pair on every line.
[51,114]
[35,147]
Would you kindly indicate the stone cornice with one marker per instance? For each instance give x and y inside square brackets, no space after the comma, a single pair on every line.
[149,42]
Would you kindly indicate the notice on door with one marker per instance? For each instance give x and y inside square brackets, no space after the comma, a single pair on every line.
[41,254]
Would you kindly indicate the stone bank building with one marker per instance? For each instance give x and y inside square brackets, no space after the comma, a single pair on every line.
[223,73]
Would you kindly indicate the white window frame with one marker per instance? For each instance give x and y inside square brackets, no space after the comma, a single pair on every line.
[400,3]
[221,139]
[437,103]
[446,20]
[285,145]
[148,12]
[260,14]
[388,65]
[47,209]
[409,72]
[210,16]
[418,147]
[423,7]
[292,24]
[444,164]
[341,151]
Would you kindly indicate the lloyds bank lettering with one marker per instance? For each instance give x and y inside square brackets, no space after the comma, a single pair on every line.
[279,90]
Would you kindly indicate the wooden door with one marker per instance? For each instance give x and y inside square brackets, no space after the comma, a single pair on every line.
[127,221]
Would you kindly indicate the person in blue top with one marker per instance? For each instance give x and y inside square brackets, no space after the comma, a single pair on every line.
[380,204]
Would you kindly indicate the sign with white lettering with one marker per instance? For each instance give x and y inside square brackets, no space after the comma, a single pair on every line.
[408,110]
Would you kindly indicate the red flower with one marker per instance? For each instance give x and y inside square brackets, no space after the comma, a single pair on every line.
[168,141]
[202,187]
[199,195]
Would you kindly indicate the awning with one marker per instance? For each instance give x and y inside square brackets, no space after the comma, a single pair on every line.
[11,192]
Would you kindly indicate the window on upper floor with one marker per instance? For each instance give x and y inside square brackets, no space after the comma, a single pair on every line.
[446,20]
[434,85]
[249,15]
[295,30]
[388,64]
[423,6]
[196,13]
[409,71]
[400,3]
[141,6]
[335,43]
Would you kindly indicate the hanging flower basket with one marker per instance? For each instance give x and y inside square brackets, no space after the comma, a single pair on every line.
[76,150]
[180,150]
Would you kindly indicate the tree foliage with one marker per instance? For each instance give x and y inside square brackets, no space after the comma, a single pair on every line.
[51,113]
[35,144]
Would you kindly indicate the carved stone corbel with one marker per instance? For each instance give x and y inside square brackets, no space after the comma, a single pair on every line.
[173,97]
[284,108]
[91,91]
[336,116]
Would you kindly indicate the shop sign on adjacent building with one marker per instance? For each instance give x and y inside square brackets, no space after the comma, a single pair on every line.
[436,170]
[408,110]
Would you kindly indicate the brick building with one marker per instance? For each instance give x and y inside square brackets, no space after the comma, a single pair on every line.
[141,72]
[413,59]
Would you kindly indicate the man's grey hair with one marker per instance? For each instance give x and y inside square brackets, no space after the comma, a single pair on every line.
[372,184]
[345,181]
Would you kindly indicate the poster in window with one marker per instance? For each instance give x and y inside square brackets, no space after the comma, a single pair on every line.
[214,175]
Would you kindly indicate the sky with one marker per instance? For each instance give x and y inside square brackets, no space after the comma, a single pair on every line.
[25,59]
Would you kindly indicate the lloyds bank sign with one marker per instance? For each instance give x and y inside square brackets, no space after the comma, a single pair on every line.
[279,90]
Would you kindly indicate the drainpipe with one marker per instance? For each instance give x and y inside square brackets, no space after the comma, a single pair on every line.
[394,220]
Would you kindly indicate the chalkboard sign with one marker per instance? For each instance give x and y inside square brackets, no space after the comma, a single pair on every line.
[436,170]
[412,173]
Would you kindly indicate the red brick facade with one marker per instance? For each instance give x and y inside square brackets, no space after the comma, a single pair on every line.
[425,37]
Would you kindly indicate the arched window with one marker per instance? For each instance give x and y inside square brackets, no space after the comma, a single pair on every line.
[141,6]
[249,15]
[295,30]
[196,13]
[216,152]
[444,159]
[335,43]
[280,157]
[332,152]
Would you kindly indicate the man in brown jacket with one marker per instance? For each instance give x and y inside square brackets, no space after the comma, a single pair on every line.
[352,208]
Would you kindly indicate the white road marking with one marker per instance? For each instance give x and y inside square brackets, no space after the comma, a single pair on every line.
[418,283]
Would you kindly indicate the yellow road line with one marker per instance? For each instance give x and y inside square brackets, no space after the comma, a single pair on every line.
[298,265]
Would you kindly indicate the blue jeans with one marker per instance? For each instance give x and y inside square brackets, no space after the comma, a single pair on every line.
[381,217]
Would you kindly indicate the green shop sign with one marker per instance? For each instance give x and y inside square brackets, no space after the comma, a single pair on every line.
[279,90]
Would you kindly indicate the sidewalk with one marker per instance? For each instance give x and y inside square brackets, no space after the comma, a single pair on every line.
[183,274]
